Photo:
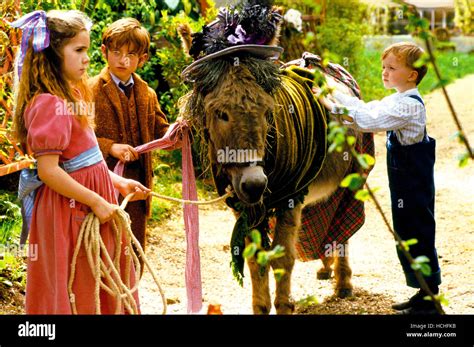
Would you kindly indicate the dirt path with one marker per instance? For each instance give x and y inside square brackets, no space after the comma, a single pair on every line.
[377,274]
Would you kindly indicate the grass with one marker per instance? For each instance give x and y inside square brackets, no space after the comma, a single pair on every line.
[10,218]
[452,66]
[168,182]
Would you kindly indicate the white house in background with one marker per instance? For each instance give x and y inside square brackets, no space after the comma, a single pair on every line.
[437,11]
[440,13]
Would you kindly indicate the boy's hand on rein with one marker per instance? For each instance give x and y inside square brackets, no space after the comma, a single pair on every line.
[123,152]
[128,186]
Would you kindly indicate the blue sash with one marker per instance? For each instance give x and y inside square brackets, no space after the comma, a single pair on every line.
[30,182]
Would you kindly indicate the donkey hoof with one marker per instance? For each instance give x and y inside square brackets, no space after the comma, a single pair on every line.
[323,274]
[285,308]
[343,292]
[261,309]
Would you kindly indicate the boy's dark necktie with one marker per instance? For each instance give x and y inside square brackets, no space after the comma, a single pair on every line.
[127,89]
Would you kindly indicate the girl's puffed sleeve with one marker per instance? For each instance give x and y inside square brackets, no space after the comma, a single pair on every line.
[48,124]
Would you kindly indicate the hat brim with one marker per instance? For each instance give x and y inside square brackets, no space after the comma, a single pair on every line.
[259,51]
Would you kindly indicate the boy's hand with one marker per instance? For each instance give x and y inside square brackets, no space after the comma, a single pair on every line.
[128,186]
[123,152]
[328,104]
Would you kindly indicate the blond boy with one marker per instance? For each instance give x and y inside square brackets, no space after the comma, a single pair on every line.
[410,160]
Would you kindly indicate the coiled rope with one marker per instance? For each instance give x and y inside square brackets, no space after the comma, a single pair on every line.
[106,272]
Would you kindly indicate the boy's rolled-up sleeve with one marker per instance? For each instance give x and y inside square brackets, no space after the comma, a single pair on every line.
[374,116]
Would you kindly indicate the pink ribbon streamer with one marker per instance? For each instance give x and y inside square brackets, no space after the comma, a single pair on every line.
[178,134]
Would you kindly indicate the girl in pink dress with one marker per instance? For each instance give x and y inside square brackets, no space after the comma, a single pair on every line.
[52,117]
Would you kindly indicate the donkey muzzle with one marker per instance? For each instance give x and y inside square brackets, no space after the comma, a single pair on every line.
[249,183]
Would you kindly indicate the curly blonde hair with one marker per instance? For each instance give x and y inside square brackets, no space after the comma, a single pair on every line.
[42,73]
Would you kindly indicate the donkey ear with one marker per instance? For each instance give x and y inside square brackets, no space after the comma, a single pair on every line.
[274,41]
[184,30]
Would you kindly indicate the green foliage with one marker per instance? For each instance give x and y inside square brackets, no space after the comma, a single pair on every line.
[342,31]
[12,269]
[160,18]
[168,181]
[308,301]
[10,218]
[438,297]
[352,181]
[463,15]
[264,257]
[421,263]
[406,244]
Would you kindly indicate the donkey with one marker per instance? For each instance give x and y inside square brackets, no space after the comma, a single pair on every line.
[244,106]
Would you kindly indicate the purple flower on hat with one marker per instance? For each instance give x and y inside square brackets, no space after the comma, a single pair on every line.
[241,37]
[32,24]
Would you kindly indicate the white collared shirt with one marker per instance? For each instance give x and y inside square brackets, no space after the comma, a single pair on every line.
[118,81]
[399,112]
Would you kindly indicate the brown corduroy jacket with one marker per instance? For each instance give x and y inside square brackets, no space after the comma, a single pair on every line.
[110,124]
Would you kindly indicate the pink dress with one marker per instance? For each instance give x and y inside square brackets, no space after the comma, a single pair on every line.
[56,219]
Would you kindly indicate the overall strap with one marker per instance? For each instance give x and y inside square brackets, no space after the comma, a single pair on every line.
[391,133]
[416,97]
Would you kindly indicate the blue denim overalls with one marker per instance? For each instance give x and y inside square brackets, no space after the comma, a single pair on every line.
[411,180]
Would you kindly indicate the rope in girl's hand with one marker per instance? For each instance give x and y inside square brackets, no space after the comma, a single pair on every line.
[106,272]
[108,269]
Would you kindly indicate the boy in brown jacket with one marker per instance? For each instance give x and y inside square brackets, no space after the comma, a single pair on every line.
[127,111]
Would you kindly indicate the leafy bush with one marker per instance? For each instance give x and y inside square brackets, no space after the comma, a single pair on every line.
[160,18]
[10,218]
[342,31]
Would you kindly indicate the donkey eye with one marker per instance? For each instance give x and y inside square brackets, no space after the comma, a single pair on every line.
[222,116]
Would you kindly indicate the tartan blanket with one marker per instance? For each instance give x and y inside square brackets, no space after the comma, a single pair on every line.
[341,215]
[333,220]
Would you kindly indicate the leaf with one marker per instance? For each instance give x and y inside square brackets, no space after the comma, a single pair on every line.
[277,252]
[256,237]
[425,269]
[353,181]
[463,159]
[332,147]
[214,309]
[263,258]
[411,242]
[406,244]
[250,250]
[422,259]
[368,159]
[350,140]
[278,273]
[307,301]
[362,195]
[439,297]
[365,160]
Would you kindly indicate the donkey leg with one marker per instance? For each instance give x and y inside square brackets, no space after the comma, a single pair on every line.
[261,302]
[343,273]
[285,235]
[324,273]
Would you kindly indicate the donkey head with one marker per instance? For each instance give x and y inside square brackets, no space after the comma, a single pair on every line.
[236,120]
